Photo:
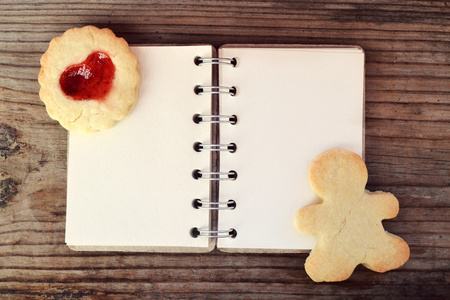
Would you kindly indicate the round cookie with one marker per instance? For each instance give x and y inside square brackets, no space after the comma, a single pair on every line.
[73,68]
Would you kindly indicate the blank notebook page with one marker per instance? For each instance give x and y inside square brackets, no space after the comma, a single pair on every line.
[292,104]
[131,186]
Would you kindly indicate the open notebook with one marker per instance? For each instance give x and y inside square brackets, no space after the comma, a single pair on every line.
[146,184]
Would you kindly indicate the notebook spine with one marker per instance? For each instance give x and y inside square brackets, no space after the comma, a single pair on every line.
[214,175]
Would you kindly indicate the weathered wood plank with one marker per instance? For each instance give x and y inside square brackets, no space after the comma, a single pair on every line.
[409,111]
[407,97]
[238,289]
[407,129]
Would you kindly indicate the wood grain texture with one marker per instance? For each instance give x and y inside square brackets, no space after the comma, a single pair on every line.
[407,147]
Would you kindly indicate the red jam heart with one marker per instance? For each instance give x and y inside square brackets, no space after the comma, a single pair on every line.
[91,79]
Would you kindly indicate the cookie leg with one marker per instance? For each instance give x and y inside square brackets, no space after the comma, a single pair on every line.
[391,254]
[330,264]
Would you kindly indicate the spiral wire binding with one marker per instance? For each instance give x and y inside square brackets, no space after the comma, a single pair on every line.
[200,204]
[200,175]
[215,119]
[215,89]
[215,61]
[198,146]
[197,232]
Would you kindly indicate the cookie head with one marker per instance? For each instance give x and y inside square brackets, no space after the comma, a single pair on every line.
[338,173]
[89,79]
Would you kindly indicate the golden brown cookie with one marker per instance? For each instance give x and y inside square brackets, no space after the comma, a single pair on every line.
[348,220]
[89,79]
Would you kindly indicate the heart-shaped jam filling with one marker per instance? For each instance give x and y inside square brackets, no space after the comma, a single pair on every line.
[91,79]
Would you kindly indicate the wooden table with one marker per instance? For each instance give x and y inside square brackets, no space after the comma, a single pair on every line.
[407,147]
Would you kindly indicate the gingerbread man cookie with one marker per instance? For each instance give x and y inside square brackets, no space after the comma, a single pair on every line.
[348,220]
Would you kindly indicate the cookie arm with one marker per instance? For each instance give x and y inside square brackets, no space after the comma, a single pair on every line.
[306,220]
[385,204]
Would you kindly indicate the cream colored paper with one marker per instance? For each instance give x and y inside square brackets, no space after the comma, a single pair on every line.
[130,187]
[292,104]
